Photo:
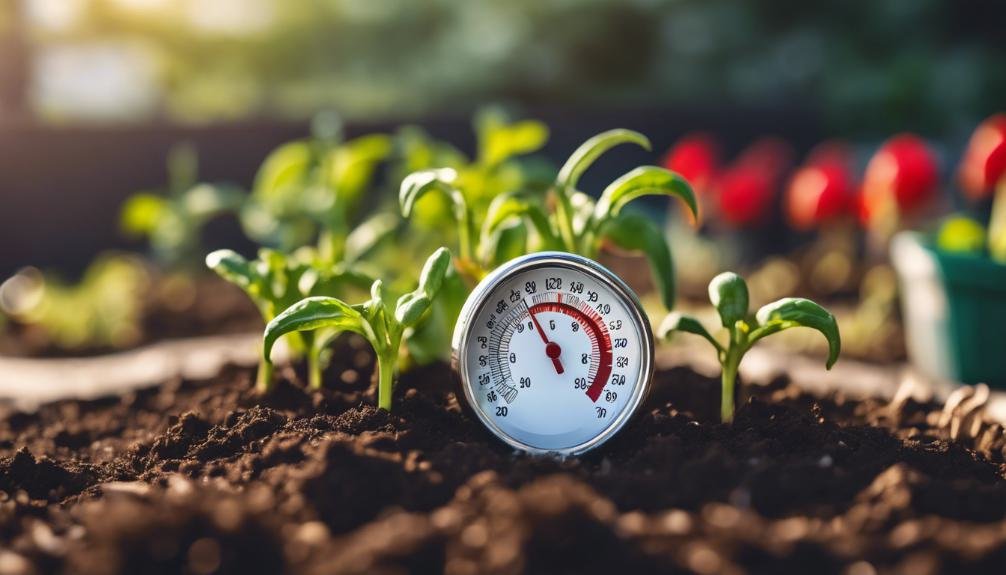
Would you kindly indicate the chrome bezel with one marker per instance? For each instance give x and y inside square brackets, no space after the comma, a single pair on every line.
[479,297]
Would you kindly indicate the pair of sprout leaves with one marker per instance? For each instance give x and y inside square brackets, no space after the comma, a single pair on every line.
[318,319]
[304,189]
[729,295]
[575,222]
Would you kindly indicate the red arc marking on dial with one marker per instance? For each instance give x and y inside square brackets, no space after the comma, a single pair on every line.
[595,326]
[552,349]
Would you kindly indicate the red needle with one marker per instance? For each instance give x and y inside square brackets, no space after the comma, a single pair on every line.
[552,349]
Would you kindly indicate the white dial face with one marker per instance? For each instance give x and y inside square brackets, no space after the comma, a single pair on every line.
[556,356]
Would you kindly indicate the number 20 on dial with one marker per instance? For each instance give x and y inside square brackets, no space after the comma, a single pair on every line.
[553,352]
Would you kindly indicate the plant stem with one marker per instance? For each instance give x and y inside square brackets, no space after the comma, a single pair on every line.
[729,379]
[385,379]
[314,368]
[564,211]
[263,381]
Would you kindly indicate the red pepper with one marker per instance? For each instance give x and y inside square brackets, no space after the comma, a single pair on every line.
[822,189]
[984,160]
[745,190]
[696,158]
[745,196]
[904,169]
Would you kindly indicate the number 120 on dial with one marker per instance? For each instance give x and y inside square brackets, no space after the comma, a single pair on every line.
[553,352]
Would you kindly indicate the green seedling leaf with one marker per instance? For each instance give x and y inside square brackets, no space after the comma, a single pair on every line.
[501,142]
[505,208]
[589,151]
[417,184]
[434,271]
[677,321]
[798,312]
[353,165]
[410,308]
[363,240]
[636,232]
[643,181]
[506,243]
[142,213]
[961,234]
[234,268]
[729,295]
[310,314]
[204,201]
[284,169]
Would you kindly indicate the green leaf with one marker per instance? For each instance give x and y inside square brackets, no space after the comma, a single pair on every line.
[500,141]
[410,308]
[506,243]
[354,163]
[434,271]
[204,201]
[284,169]
[506,207]
[310,314]
[234,268]
[643,181]
[416,184]
[636,232]
[961,234]
[142,213]
[677,321]
[589,151]
[729,295]
[368,235]
[798,312]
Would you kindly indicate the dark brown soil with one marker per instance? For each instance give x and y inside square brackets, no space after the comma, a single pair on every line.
[205,477]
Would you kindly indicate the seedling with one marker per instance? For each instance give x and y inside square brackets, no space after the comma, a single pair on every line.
[729,295]
[174,218]
[313,188]
[379,323]
[470,187]
[103,309]
[275,281]
[578,224]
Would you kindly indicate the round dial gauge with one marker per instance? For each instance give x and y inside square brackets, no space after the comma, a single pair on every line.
[553,352]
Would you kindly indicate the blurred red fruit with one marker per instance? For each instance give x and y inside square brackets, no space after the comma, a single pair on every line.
[745,195]
[985,158]
[696,158]
[904,169]
[822,189]
[771,156]
[745,190]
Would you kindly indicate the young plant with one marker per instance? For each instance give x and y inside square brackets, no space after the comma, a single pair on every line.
[576,223]
[469,187]
[312,189]
[382,324]
[103,310]
[174,219]
[276,281]
[729,295]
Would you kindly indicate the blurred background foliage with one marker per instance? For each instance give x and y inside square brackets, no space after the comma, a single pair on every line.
[869,67]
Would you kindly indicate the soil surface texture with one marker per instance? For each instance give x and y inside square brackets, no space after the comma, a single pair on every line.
[206,477]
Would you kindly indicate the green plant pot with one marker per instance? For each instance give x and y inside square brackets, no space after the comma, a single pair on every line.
[954,308]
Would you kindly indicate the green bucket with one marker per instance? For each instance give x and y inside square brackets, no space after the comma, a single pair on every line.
[954,308]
